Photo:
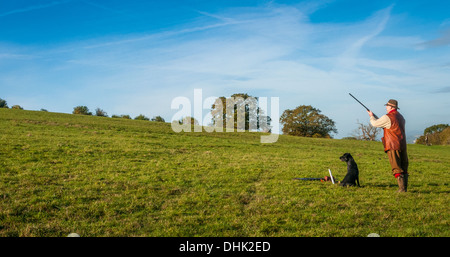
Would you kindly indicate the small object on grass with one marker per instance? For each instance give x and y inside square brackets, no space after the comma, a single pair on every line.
[73,235]
[332,179]
[326,178]
[308,179]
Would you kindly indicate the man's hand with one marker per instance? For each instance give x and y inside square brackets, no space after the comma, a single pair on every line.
[370,113]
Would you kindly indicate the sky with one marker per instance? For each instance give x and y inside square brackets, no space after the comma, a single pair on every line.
[135,57]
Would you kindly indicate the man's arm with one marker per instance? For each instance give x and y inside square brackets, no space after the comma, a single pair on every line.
[382,122]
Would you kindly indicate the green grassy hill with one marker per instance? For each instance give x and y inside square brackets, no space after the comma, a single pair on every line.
[97,176]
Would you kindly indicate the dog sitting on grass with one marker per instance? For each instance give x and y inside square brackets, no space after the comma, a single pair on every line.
[352,176]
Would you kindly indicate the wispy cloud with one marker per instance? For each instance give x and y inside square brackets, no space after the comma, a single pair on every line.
[34,7]
[12,56]
[218,17]
[443,90]
[378,22]
[159,36]
[443,40]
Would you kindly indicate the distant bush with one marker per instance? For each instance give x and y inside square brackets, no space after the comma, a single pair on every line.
[3,103]
[158,119]
[17,107]
[188,120]
[121,116]
[141,117]
[101,113]
[44,110]
[83,110]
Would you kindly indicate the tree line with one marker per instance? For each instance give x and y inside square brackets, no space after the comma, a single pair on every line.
[84,110]
[304,121]
[4,104]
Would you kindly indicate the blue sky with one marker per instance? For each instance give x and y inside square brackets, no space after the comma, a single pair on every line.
[135,57]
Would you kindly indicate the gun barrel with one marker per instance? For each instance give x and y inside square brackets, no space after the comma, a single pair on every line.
[363,105]
[359,102]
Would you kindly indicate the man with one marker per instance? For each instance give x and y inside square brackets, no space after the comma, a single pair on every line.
[394,141]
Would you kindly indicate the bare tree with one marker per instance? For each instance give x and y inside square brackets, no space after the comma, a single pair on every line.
[366,132]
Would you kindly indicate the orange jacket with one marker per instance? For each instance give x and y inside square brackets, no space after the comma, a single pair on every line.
[395,137]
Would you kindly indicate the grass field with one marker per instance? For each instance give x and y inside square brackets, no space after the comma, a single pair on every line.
[97,176]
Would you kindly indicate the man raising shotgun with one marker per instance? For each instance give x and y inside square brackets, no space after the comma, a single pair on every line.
[394,141]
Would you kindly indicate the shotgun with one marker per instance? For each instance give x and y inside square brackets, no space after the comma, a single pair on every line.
[376,117]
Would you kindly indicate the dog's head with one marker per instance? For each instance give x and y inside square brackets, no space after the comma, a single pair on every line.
[346,157]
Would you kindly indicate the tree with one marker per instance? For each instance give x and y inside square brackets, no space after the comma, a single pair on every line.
[306,121]
[141,117]
[3,103]
[83,110]
[366,132]
[245,113]
[101,113]
[435,135]
[158,119]
[435,128]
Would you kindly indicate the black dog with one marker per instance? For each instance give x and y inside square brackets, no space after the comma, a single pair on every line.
[352,171]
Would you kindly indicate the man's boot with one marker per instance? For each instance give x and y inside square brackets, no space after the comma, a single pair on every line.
[402,183]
